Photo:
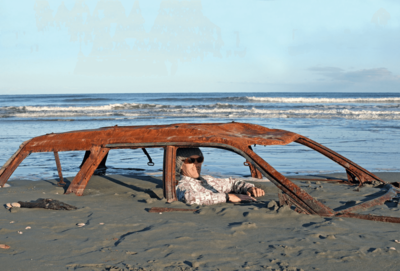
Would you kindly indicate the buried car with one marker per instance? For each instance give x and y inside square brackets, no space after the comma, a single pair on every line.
[235,137]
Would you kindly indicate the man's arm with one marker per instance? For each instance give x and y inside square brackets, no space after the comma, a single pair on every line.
[239,198]
[241,187]
[237,186]
[229,185]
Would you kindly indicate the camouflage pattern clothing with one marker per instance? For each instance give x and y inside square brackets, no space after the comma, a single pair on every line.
[208,190]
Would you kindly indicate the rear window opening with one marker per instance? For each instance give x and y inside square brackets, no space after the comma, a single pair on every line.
[294,158]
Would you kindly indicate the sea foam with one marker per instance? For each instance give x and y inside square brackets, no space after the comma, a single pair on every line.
[218,110]
[322,100]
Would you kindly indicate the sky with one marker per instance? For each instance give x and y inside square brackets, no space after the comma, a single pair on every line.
[117,46]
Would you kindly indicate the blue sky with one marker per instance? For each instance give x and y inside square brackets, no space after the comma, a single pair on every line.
[98,46]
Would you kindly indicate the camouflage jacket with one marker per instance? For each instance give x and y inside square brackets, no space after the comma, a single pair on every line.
[209,190]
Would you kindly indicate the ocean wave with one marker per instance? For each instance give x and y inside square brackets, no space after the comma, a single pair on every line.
[124,106]
[198,99]
[250,113]
[300,113]
[111,107]
[323,100]
[216,110]
[324,103]
[300,100]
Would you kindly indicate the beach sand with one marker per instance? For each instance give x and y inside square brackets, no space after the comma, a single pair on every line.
[227,236]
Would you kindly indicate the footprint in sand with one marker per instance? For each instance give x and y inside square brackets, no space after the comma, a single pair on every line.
[243,226]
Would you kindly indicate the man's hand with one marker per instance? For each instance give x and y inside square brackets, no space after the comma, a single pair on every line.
[240,197]
[255,192]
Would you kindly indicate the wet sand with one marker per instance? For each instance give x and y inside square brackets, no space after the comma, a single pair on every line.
[227,236]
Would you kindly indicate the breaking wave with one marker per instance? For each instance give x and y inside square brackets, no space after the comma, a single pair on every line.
[323,100]
[79,108]
[287,100]
[217,110]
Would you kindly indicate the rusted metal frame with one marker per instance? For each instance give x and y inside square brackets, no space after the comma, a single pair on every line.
[396,184]
[4,178]
[305,201]
[284,199]
[351,177]
[148,145]
[389,219]
[318,180]
[182,145]
[302,198]
[101,167]
[6,164]
[362,174]
[59,169]
[81,179]
[351,167]
[353,170]
[11,166]
[390,194]
[255,173]
[169,181]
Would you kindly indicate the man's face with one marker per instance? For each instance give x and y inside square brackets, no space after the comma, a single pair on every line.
[192,170]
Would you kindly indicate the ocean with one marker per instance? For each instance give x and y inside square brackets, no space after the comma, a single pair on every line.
[364,127]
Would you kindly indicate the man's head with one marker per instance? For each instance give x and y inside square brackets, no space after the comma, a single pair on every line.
[189,161]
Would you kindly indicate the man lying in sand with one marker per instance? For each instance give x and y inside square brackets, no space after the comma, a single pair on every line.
[207,190]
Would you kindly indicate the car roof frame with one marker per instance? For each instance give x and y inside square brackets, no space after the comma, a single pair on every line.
[290,193]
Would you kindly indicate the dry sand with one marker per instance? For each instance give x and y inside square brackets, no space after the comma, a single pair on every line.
[221,237]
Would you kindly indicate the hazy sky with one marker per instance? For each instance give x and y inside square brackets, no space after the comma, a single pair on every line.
[88,46]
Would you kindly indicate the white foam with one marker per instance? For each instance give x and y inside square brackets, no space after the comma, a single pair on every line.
[323,100]
[218,110]
[108,107]
[220,113]
[300,113]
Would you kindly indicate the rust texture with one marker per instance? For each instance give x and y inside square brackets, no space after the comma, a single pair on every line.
[81,179]
[235,137]
[284,199]
[9,161]
[371,217]
[355,173]
[59,169]
[255,173]
[319,180]
[169,179]
[389,195]
[12,166]
[303,200]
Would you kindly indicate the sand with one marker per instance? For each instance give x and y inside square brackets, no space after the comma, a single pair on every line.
[120,234]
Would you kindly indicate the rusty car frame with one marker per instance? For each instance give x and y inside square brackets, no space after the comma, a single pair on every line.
[234,136]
